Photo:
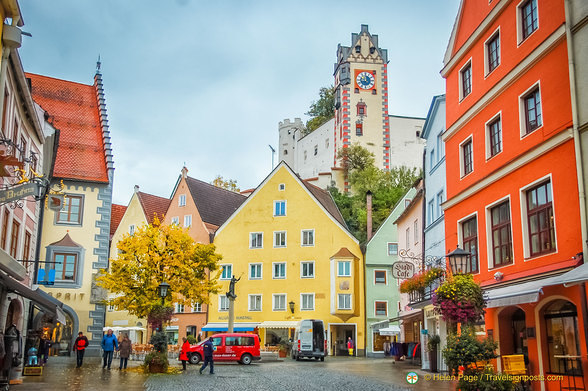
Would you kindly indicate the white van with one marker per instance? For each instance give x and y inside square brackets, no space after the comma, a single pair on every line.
[310,340]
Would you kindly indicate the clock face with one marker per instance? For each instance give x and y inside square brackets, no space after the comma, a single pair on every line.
[365,80]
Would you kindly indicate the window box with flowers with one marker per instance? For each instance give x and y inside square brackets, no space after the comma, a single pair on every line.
[421,286]
[460,299]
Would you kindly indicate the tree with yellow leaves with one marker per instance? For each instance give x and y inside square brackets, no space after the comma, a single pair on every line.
[154,254]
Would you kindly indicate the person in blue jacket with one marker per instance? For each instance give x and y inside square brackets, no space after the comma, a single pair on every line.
[109,343]
[208,349]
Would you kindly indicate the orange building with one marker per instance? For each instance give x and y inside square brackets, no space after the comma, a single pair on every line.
[512,189]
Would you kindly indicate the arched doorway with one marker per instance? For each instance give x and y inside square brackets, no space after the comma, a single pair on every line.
[563,341]
[14,315]
[61,335]
[513,332]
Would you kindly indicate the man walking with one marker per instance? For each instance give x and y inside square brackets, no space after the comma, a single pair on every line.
[208,349]
[109,343]
[80,347]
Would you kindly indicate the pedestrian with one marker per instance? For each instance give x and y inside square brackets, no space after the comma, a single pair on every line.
[208,349]
[79,347]
[350,345]
[184,352]
[44,346]
[200,336]
[109,343]
[125,348]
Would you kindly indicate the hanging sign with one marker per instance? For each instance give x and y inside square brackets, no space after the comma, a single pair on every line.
[402,270]
[19,192]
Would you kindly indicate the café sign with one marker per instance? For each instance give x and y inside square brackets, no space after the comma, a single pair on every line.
[19,192]
[402,270]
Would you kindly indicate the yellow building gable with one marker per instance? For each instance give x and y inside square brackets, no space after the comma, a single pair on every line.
[285,244]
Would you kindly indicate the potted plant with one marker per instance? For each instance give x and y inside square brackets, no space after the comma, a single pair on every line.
[432,344]
[285,347]
[156,360]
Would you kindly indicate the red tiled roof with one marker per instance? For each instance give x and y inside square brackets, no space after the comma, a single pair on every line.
[214,204]
[324,197]
[74,111]
[153,205]
[343,253]
[116,215]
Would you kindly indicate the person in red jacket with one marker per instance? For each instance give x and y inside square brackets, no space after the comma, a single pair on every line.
[184,352]
[80,347]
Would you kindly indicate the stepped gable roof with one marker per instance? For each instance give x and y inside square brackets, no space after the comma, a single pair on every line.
[214,204]
[324,197]
[116,215]
[66,241]
[153,205]
[73,109]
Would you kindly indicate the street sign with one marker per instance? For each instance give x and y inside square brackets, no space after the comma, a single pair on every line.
[402,270]
[19,192]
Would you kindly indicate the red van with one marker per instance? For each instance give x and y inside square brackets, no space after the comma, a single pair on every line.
[239,347]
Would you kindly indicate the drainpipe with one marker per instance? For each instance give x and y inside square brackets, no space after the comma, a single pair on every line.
[576,133]
[368,202]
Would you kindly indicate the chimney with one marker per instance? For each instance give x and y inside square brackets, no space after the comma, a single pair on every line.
[136,188]
[368,196]
[184,172]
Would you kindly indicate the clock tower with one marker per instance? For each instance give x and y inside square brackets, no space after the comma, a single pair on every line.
[361,97]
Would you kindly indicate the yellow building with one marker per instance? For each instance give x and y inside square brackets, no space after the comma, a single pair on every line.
[295,258]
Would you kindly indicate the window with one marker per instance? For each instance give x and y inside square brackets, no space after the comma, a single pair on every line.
[361,108]
[223,303]
[467,163]
[494,129]
[469,232]
[344,268]
[307,269]
[381,308]
[279,302]
[380,277]
[392,248]
[14,238]
[256,240]
[529,20]
[308,237]
[407,237]
[196,307]
[65,266]
[279,208]
[439,203]
[561,322]
[175,220]
[255,271]
[540,219]
[254,302]
[344,301]
[15,134]
[282,187]
[493,52]
[407,202]
[187,221]
[23,147]
[178,308]
[465,77]
[532,110]
[305,155]
[182,200]
[501,235]
[279,270]
[72,210]
[326,143]
[5,110]
[280,239]
[416,231]
[359,129]
[315,150]
[4,229]
[440,145]
[111,308]
[307,300]
[431,214]
[227,272]
[27,248]
[432,159]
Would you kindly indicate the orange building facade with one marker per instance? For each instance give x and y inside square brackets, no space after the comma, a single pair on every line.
[512,188]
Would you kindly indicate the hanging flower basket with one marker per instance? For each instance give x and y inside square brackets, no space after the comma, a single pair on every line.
[460,299]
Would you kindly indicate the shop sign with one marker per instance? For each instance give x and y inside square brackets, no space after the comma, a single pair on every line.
[402,270]
[19,192]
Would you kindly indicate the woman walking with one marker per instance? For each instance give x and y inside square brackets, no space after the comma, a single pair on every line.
[184,352]
[125,349]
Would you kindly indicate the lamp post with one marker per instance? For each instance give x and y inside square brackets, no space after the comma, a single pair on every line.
[459,261]
[163,288]
[291,304]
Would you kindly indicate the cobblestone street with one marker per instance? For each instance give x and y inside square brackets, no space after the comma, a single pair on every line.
[333,374]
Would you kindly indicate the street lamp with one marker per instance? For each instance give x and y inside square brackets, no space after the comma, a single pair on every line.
[163,287]
[459,261]
[291,304]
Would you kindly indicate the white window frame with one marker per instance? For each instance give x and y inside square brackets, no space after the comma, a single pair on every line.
[222,298]
[302,302]
[489,243]
[132,229]
[520,39]
[302,232]
[338,269]
[381,301]
[285,208]
[175,220]
[388,248]
[522,110]
[274,309]
[196,307]
[182,200]
[439,199]
[460,81]
[487,71]
[381,270]
[251,240]
[178,307]
[407,238]
[223,270]
[274,270]
[346,295]
[302,269]
[478,233]
[187,221]
[285,239]
[251,277]
[416,231]
[249,307]
[525,224]
[431,214]
[488,138]
[461,157]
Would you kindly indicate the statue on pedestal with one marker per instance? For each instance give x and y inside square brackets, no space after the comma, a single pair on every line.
[231,293]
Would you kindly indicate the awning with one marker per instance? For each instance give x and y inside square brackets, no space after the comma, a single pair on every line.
[225,327]
[521,293]
[41,299]
[574,276]
[390,330]
[276,324]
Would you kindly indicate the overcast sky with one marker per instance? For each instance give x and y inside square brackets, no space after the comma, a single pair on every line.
[205,83]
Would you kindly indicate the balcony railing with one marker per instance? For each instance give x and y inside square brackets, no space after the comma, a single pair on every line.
[426,294]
